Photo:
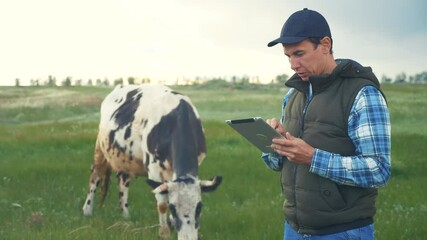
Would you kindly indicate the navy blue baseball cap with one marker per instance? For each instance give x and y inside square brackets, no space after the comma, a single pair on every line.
[301,25]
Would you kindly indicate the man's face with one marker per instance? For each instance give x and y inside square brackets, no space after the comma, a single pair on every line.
[306,59]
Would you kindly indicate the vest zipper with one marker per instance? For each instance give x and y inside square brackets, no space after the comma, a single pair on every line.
[304,111]
[295,197]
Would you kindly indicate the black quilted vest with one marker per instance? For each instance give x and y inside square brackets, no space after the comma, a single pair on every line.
[314,204]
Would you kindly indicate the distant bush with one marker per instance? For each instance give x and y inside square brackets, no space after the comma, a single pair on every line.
[214,84]
[218,84]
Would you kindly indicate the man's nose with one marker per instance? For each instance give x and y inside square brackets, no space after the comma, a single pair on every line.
[295,64]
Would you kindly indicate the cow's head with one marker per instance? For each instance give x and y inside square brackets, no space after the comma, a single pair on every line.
[185,202]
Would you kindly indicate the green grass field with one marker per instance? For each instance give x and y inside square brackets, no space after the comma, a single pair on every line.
[47,137]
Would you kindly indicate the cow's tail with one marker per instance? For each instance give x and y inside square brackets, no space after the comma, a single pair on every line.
[105,182]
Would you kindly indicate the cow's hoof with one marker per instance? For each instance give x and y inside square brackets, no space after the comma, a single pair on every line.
[164,232]
[126,215]
[87,212]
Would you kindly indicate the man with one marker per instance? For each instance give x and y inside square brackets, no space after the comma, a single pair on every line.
[336,147]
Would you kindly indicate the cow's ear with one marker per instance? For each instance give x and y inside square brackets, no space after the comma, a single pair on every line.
[162,189]
[157,187]
[210,185]
[153,184]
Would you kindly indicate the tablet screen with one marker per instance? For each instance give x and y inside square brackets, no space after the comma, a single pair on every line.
[256,131]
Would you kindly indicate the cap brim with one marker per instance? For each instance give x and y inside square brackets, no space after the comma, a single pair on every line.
[286,40]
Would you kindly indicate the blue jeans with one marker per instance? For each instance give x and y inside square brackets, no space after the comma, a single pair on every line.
[363,233]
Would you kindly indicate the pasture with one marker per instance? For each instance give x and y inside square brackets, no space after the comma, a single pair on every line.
[47,136]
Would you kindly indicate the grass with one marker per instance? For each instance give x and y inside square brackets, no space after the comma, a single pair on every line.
[48,174]
[46,147]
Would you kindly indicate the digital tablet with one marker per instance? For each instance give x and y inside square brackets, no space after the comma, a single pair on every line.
[256,131]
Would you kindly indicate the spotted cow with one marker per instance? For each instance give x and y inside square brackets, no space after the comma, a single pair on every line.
[151,130]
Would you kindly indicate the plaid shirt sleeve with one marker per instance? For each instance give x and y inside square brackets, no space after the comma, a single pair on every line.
[369,129]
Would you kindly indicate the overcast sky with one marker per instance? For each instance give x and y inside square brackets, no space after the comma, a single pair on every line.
[166,39]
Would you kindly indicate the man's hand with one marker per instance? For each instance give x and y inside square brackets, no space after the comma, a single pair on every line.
[295,149]
[275,124]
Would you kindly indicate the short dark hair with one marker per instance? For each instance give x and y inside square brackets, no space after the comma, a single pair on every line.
[316,42]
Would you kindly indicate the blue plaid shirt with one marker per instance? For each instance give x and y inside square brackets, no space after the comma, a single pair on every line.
[369,129]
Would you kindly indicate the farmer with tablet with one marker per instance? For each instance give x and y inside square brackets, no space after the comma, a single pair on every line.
[336,153]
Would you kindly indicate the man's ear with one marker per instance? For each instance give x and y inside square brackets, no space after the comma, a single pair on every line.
[326,44]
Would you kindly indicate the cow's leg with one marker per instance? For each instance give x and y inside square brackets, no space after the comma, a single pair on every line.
[94,181]
[124,182]
[100,173]
[162,209]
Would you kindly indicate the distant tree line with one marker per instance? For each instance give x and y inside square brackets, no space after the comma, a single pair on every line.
[235,81]
[420,78]
[51,81]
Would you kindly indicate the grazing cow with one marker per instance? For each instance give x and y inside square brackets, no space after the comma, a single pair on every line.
[152,130]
